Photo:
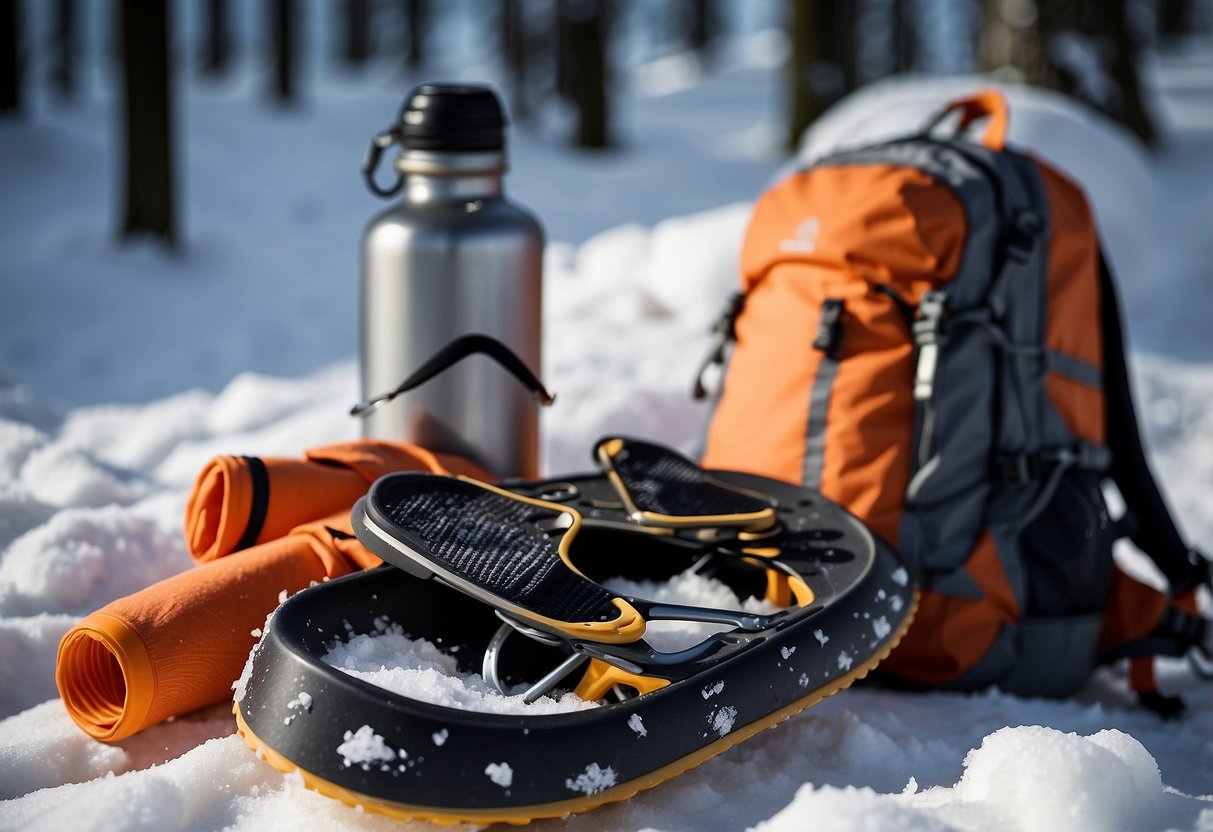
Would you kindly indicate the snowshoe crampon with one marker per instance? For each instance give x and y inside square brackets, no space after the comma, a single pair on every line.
[517,593]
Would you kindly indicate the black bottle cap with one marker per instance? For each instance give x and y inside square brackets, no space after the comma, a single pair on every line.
[452,117]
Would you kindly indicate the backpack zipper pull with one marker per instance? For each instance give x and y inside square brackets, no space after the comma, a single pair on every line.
[830,328]
[724,332]
[927,328]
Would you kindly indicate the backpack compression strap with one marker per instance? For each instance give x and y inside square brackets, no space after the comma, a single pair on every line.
[1149,522]
[1149,525]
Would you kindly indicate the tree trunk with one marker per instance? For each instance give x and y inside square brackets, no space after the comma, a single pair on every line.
[1129,108]
[563,71]
[10,56]
[357,32]
[1174,18]
[585,31]
[702,24]
[844,44]
[283,34]
[63,45]
[1012,38]
[905,37]
[216,40]
[416,12]
[147,92]
[816,76]
[514,54]
[1083,48]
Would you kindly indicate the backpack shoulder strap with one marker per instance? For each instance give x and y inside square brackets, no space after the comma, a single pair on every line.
[1149,522]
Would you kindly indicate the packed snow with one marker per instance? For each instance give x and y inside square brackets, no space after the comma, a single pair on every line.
[365,748]
[501,774]
[421,670]
[124,370]
[594,779]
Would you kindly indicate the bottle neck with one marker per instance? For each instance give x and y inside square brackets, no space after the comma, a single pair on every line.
[421,188]
[441,177]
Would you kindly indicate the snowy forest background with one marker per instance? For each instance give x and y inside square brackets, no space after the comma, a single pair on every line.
[203,300]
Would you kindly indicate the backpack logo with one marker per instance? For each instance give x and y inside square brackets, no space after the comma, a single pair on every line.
[805,241]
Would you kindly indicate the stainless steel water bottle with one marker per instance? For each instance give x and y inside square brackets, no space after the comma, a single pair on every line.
[453,257]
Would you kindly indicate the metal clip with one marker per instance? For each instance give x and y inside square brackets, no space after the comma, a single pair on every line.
[370,162]
[927,330]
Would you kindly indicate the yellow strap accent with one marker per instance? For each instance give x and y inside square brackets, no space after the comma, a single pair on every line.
[600,677]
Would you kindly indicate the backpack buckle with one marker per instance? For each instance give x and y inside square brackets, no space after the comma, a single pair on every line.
[927,329]
[829,328]
[1017,469]
[1024,232]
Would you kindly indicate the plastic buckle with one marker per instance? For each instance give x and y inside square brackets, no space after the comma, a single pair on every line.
[1016,469]
[829,328]
[1025,231]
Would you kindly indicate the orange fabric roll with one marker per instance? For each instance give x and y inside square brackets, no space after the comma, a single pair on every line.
[179,644]
[241,501]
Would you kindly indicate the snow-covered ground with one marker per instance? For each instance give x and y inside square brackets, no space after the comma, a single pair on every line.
[123,370]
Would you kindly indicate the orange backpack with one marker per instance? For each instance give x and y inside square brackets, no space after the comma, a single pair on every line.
[928,334]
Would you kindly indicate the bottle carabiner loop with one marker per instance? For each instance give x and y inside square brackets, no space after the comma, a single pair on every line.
[370,163]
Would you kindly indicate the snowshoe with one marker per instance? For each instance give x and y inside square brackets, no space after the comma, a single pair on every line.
[534,559]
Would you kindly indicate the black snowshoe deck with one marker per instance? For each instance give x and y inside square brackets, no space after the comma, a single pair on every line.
[853,605]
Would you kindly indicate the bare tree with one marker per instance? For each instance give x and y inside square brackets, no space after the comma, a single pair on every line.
[702,26]
[515,53]
[216,38]
[10,56]
[284,25]
[1174,18]
[1085,48]
[64,44]
[1129,105]
[148,196]
[905,36]
[585,25]
[821,63]
[357,47]
[1013,36]
[416,13]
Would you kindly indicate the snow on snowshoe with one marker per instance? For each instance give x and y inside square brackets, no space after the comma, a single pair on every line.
[539,565]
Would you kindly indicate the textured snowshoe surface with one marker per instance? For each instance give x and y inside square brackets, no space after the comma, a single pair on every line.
[660,481]
[505,546]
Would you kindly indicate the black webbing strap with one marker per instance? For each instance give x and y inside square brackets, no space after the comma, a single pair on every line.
[1153,529]
[1175,635]
[454,352]
[724,333]
[261,502]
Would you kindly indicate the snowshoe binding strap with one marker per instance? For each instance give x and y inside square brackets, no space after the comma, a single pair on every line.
[507,550]
[663,489]
[513,552]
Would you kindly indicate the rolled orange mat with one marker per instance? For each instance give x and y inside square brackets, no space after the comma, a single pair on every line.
[179,644]
[241,501]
